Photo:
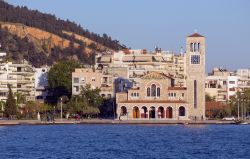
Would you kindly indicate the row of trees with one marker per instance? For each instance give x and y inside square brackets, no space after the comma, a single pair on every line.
[238,105]
[87,103]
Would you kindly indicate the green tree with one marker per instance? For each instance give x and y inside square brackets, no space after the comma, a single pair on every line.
[92,96]
[10,106]
[209,98]
[60,78]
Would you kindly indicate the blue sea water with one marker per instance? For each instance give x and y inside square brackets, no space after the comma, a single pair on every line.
[125,141]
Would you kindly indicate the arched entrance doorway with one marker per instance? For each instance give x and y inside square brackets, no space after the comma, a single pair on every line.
[160,112]
[144,112]
[123,111]
[152,112]
[182,111]
[136,112]
[169,112]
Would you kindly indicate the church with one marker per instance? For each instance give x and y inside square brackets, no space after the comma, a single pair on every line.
[158,97]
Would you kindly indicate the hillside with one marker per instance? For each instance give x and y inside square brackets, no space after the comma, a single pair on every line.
[52,37]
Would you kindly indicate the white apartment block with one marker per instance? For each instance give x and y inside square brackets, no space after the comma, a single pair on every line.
[20,77]
[223,84]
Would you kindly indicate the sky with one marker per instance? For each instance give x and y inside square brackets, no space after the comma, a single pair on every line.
[166,23]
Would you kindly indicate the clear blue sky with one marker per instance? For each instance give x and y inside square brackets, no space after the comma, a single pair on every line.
[166,23]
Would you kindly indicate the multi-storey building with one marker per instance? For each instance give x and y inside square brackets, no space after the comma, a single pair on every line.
[223,84]
[136,63]
[20,77]
[95,78]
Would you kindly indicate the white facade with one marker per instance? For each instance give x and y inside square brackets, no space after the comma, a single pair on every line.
[41,83]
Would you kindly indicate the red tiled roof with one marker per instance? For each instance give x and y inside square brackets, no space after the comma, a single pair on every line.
[153,101]
[195,35]
[177,88]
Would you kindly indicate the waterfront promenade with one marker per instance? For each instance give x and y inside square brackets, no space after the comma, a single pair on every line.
[110,121]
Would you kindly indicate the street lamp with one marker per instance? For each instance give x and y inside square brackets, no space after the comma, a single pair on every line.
[61,108]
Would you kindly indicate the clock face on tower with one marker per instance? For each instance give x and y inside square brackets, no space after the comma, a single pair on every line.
[195,59]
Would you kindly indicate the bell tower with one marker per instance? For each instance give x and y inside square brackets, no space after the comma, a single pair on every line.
[195,75]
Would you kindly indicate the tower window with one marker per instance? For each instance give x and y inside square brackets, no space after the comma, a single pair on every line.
[191,47]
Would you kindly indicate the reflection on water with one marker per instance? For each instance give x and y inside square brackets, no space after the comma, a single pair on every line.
[125,141]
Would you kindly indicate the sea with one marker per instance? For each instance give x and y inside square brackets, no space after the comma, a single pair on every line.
[81,141]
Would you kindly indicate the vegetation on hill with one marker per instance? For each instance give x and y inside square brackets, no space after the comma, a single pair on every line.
[50,23]
[43,39]
[19,49]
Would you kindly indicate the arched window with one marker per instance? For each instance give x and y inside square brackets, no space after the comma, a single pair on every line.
[198,47]
[158,92]
[148,92]
[182,111]
[195,47]
[191,47]
[153,90]
[123,111]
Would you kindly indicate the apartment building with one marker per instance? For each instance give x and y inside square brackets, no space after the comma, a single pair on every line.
[95,78]
[223,84]
[20,77]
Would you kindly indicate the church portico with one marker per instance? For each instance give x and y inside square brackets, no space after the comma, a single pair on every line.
[151,111]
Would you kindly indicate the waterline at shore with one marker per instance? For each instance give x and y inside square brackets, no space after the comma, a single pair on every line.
[110,121]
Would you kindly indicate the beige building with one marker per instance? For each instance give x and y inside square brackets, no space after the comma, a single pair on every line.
[95,78]
[158,94]
[223,84]
[155,98]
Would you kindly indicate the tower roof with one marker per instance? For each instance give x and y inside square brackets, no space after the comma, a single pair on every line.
[195,35]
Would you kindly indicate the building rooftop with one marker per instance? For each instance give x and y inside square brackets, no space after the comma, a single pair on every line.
[195,35]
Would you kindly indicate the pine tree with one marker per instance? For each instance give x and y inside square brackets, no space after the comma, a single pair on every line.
[10,106]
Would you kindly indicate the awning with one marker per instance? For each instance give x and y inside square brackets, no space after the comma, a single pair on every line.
[128,59]
[105,59]
[143,59]
[158,58]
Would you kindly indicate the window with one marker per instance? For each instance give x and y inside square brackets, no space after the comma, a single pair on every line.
[195,59]
[183,94]
[195,94]
[76,80]
[153,90]
[148,92]
[19,86]
[19,69]
[198,47]
[191,47]
[132,94]
[158,92]
[232,89]
[76,88]
[137,94]
[231,82]
[93,79]
[172,94]
[224,82]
